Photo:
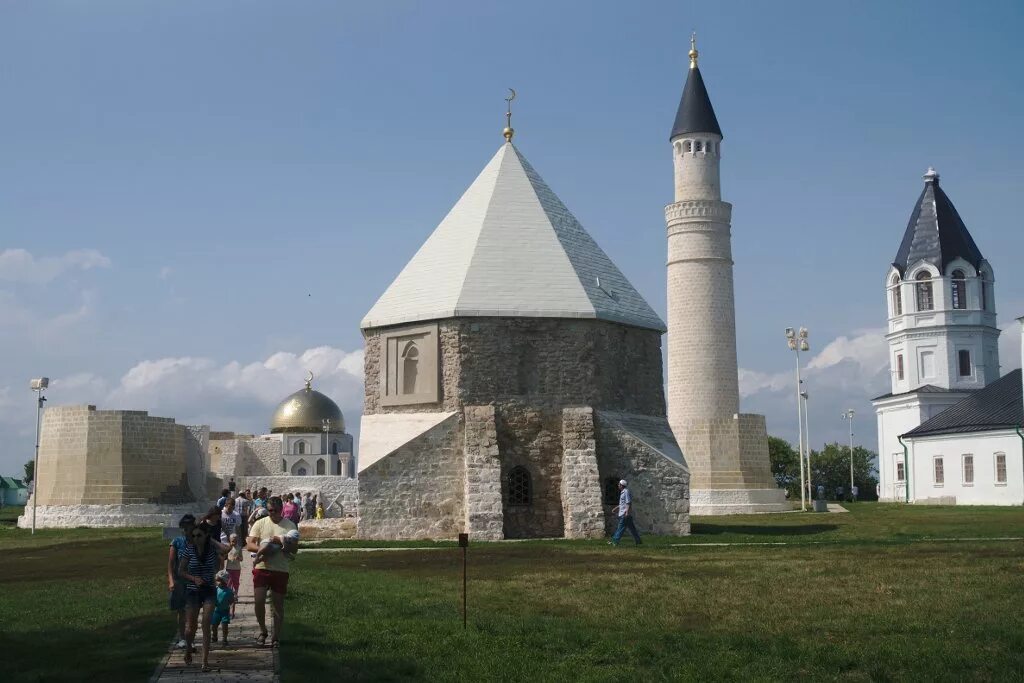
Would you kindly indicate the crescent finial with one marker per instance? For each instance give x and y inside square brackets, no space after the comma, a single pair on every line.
[309,378]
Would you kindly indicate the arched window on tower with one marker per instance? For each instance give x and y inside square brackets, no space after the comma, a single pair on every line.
[334,448]
[688,146]
[696,146]
[410,367]
[925,301]
[959,289]
[321,466]
[897,296]
[520,487]
[300,448]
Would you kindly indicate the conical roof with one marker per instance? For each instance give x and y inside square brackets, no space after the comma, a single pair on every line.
[695,113]
[935,234]
[510,248]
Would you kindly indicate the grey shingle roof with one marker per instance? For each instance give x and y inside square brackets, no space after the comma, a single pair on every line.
[925,389]
[935,234]
[695,113]
[510,248]
[1000,405]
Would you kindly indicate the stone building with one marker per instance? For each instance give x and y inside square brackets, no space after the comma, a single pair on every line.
[727,451]
[513,376]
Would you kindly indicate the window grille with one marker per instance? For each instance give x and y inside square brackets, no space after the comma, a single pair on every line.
[520,489]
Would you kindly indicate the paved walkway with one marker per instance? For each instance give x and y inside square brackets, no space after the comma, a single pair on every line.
[241,660]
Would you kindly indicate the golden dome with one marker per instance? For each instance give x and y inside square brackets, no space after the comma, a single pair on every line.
[305,411]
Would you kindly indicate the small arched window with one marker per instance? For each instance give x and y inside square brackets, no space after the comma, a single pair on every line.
[897,296]
[688,146]
[284,466]
[611,490]
[520,488]
[696,146]
[321,466]
[410,367]
[959,290]
[925,302]
[300,448]
[337,467]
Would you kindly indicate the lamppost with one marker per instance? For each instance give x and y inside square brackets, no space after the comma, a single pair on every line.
[807,444]
[39,386]
[797,341]
[327,441]
[848,415]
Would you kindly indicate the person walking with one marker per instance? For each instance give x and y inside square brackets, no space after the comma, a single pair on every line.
[271,574]
[197,565]
[625,510]
[176,584]
[230,520]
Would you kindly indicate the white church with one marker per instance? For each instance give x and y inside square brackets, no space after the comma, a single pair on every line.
[950,430]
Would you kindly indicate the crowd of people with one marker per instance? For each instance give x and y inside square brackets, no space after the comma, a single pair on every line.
[204,563]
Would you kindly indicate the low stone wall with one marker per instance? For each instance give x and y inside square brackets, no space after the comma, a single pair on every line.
[72,516]
[320,529]
[340,495]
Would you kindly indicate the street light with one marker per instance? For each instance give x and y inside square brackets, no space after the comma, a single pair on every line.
[848,415]
[807,443]
[327,435]
[797,341]
[39,386]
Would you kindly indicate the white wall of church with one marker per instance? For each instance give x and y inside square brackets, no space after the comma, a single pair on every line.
[965,469]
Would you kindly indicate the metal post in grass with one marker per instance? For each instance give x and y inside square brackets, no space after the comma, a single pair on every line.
[848,415]
[798,342]
[464,544]
[39,386]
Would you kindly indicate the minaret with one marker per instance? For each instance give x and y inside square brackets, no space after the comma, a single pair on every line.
[727,452]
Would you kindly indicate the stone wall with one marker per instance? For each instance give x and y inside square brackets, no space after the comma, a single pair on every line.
[638,449]
[581,484]
[111,457]
[133,515]
[530,436]
[418,490]
[483,501]
[340,495]
[542,361]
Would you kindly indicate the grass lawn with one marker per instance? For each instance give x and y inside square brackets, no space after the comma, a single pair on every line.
[854,596]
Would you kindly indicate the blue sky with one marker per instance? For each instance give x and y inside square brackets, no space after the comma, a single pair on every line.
[200,200]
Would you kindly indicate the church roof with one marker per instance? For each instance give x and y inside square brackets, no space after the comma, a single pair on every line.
[509,247]
[1000,405]
[695,113]
[925,389]
[935,234]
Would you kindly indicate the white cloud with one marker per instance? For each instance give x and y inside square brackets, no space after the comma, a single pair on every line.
[26,322]
[166,272]
[19,265]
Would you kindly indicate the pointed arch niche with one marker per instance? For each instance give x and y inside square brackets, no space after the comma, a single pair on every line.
[409,367]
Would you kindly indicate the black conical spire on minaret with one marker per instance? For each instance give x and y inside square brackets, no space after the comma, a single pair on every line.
[695,114]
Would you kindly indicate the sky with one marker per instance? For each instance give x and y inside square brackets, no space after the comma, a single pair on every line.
[199,201]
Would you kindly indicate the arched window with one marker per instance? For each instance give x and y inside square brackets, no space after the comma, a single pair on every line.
[321,466]
[688,146]
[925,302]
[984,291]
[959,289]
[520,488]
[897,296]
[337,467]
[300,448]
[696,146]
[284,466]
[611,490]
[410,365]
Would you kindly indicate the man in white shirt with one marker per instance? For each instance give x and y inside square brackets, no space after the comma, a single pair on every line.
[625,510]
[271,575]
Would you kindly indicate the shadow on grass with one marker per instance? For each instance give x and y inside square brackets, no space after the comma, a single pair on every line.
[126,650]
[699,529]
[308,655]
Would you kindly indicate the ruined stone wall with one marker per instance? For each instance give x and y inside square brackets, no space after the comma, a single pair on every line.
[262,457]
[483,496]
[417,491]
[660,487]
[530,436]
[548,361]
[581,485]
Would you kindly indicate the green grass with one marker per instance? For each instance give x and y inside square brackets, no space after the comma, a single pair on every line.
[858,596]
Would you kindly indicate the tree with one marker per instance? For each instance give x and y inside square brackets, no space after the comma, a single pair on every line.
[830,468]
[785,465]
[30,471]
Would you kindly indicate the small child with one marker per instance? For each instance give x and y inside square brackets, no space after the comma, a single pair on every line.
[233,566]
[289,543]
[319,510]
[221,615]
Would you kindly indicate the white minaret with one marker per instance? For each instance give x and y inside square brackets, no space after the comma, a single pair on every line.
[727,452]
[942,334]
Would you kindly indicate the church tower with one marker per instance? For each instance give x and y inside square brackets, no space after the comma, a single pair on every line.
[942,334]
[727,452]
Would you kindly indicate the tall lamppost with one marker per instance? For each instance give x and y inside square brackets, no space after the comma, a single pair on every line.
[327,435]
[848,415]
[38,385]
[797,341]
[807,444]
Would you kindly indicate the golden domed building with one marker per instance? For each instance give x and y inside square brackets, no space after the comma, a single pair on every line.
[312,434]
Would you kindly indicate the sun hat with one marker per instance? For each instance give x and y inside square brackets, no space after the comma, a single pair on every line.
[622,482]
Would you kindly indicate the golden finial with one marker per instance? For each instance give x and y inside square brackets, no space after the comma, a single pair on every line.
[509,131]
[309,379]
[693,50]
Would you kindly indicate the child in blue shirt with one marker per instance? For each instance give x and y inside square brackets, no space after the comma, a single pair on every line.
[221,614]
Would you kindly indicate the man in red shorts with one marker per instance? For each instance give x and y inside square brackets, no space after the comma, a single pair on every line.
[272,573]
